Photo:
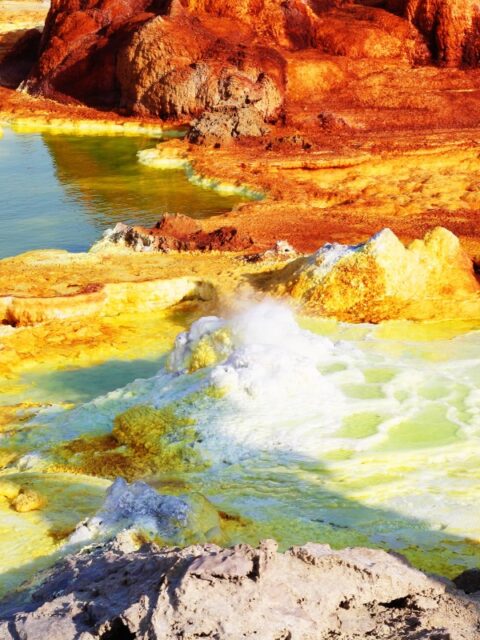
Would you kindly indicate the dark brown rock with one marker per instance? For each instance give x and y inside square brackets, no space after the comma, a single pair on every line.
[468,581]
[18,62]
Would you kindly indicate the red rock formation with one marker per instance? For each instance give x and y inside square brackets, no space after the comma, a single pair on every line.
[177,233]
[452,28]
[180,67]
[179,58]
[79,48]
[290,24]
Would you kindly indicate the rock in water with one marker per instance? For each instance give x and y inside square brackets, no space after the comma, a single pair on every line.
[209,592]
[138,507]
[383,280]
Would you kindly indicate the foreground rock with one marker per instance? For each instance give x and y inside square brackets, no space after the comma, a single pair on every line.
[384,280]
[210,592]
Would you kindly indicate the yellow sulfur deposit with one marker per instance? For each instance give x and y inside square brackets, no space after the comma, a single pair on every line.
[143,440]
[9,490]
[21,499]
[28,500]
[29,540]
[57,125]
[382,279]
[209,350]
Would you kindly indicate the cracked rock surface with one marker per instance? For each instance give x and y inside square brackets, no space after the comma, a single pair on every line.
[308,592]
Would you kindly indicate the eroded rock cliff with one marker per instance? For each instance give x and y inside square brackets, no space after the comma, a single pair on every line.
[452,28]
[179,58]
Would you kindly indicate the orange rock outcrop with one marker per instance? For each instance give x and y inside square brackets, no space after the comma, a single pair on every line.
[452,28]
[241,68]
[174,58]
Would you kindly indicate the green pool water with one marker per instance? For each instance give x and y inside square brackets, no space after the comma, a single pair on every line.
[63,191]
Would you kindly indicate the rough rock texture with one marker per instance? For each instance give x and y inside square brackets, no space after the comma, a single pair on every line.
[172,65]
[179,67]
[223,126]
[452,28]
[381,279]
[177,58]
[310,592]
[19,60]
[78,49]
[175,233]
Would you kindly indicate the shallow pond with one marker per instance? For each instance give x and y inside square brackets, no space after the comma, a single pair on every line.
[63,191]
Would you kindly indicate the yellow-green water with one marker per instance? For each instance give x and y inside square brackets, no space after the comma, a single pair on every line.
[336,434]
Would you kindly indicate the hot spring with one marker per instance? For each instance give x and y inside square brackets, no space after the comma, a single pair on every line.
[270,423]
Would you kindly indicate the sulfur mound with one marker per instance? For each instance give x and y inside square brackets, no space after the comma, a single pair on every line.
[242,592]
[143,440]
[21,499]
[28,500]
[383,280]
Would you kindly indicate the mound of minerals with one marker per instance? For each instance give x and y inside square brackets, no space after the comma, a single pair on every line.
[382,279]
[242,592]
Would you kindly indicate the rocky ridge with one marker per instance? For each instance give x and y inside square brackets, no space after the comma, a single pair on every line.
[204,591]
[248,63]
